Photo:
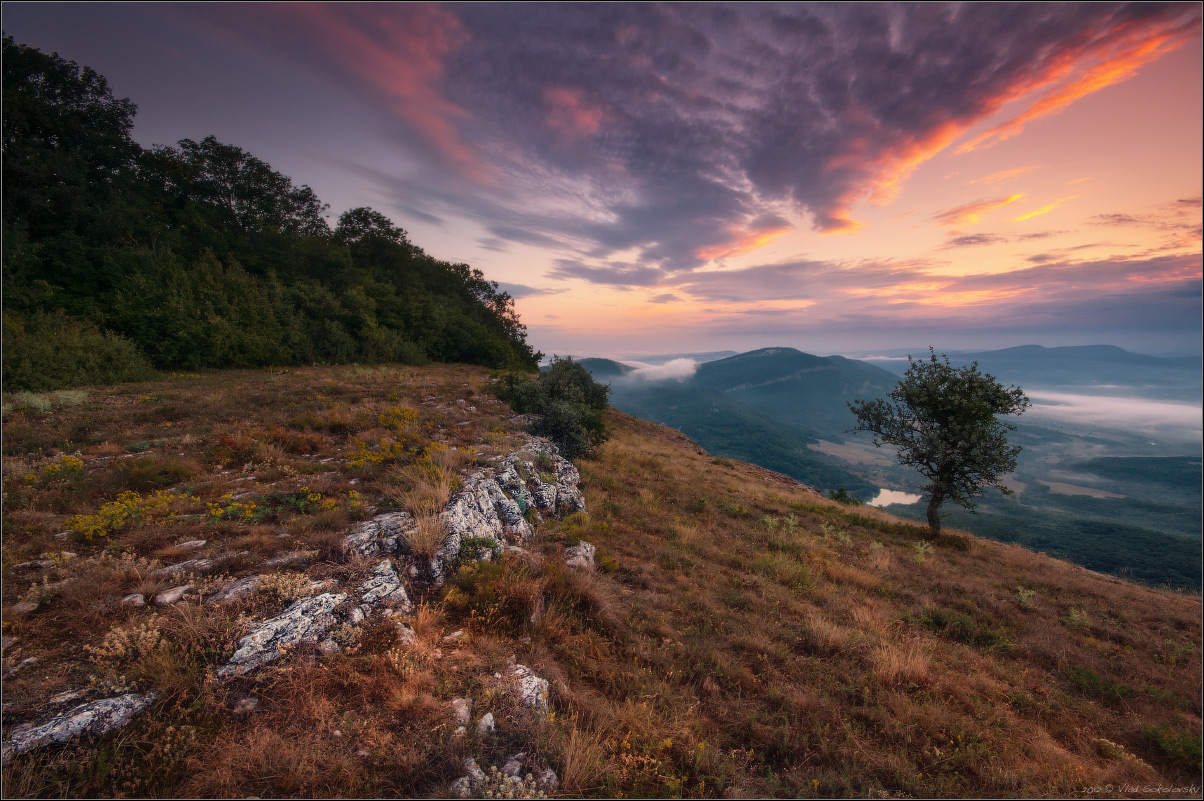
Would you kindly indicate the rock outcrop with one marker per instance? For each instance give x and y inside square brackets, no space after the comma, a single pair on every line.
[95,718]
[308,620]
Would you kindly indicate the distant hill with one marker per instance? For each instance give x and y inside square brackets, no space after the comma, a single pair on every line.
[1090,368]
[708,356]
[798,387]
[764,406]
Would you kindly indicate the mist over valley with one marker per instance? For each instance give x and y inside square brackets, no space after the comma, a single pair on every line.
[1109,474]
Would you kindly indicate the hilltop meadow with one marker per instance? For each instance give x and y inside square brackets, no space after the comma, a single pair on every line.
[739,635]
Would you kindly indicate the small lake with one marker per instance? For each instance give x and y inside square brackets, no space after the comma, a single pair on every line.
[886,497]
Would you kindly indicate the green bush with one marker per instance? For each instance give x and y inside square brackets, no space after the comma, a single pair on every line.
[567,402]
[51,351]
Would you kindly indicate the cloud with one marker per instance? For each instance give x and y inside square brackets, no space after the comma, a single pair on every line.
[972,212]
[672,130]
[975,239]
[1127,413]
[1004,175]
[1044,209]
[672,370]
[522,291]
[668,297]
[622,275]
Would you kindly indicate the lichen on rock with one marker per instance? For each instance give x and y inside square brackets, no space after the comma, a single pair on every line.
[306,620]
[95,718]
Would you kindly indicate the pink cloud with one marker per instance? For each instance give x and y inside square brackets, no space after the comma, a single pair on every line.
[570,116]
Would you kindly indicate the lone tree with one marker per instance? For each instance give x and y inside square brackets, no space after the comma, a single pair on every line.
[943,421]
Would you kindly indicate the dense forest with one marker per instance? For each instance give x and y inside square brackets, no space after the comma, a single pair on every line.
[119,260]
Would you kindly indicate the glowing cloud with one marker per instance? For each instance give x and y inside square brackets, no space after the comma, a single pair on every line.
[569,116]
[972,212]
[404,69]
[1044,209]
[1123,53]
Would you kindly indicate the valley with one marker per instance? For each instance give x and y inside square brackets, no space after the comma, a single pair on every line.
[1109,475]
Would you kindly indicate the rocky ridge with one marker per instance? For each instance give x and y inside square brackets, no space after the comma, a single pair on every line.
[492,512]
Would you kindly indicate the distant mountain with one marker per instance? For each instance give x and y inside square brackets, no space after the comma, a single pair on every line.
[797,387]
[709,356]
[764,406]
[1091,368]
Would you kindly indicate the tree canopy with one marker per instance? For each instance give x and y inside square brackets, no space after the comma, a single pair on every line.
[944,421]
[201,255]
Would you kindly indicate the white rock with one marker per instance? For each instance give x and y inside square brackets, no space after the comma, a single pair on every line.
[64,697]
[385,587]
[174,595]
[462,710]
[532,690]
[308,620]
[235,590]
[381,533]
[95,718]
[475,774]
[580,556]
[486,725]
[514,765]
[191,545]
[135,599]
[548,780]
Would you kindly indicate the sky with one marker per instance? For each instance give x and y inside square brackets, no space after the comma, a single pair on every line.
[852,178]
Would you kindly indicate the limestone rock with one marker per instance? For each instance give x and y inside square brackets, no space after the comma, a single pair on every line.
[532,690]
[134,599]
[174,595]
[240,588]
[385,587]
[383,533]
[486,725]
[462,710]
[195,565]
[473,770]
[580,556]
[548,780]
[308,620]
[514,764]
[191,545]
[291,559]
[95,718]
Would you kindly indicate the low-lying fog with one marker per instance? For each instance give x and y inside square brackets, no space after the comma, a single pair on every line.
[673,370]
[1168,420]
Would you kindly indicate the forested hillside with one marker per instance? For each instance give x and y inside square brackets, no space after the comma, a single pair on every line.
[120,259]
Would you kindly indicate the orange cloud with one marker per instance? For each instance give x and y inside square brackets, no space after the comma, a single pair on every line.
[1116,56]
[1044,209]
[405,69]
[742,241]
[1005,175]
[887,172]
[972,212]
[1126,57]
[568,116]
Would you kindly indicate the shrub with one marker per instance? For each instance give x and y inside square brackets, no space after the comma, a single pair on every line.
[567,402]
[51,351]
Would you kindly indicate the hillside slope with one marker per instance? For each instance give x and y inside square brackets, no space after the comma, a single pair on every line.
[739,635]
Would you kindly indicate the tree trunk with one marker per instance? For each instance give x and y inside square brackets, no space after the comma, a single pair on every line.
[934,517]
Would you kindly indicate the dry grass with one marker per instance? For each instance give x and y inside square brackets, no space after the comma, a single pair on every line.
[745,637]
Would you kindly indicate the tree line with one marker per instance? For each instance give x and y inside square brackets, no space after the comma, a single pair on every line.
[119,259]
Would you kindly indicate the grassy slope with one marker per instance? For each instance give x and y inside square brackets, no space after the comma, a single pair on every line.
[744,637]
